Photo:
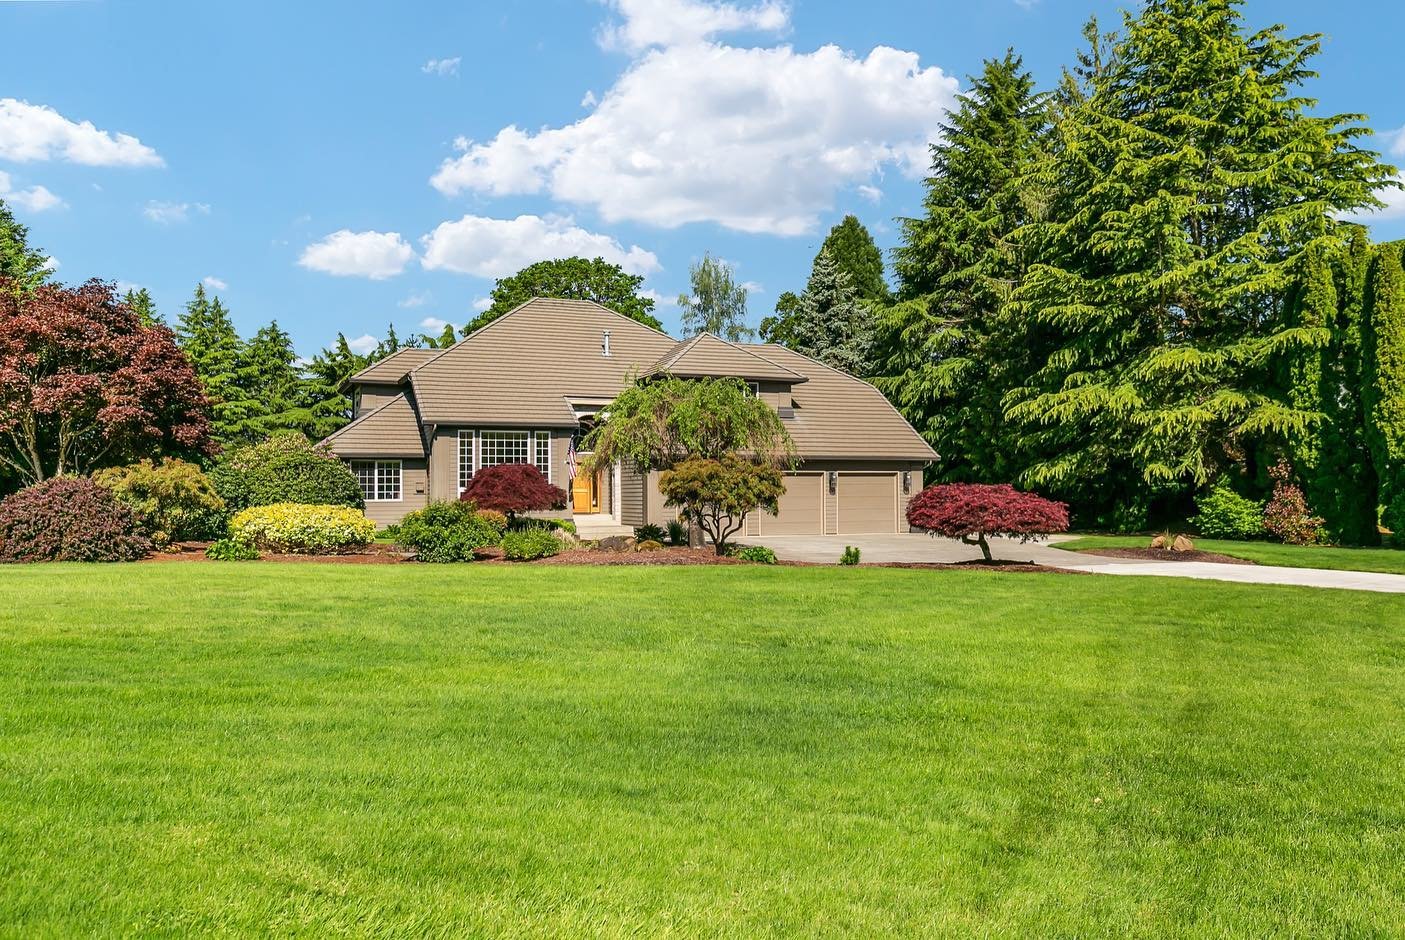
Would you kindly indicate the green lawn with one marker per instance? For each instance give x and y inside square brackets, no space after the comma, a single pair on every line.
[1388,560]
[410,751]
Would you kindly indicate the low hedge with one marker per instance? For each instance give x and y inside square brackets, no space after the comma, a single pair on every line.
[449,532]
[529,544]
[303,529]
[69,519]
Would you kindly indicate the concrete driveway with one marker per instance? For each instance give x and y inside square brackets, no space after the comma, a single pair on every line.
[910,548]
[923,549]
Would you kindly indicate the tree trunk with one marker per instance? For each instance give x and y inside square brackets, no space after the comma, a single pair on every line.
[979,540]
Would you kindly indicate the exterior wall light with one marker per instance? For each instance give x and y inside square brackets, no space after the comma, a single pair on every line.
[833,482]
[907,482]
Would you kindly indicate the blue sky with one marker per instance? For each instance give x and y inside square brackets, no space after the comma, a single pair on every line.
[338,166]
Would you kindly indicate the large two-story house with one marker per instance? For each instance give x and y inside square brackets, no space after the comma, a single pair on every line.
[526,386]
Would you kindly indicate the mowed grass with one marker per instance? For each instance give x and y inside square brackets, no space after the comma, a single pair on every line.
[418,751]
[1387,560]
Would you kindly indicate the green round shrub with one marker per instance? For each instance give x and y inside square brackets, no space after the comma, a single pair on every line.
[649,533]
[1224,514]
[759,554]
[302,529]
[285,468]
[174,499]
[69,519]
[529,544]
[448,532]
[232,550]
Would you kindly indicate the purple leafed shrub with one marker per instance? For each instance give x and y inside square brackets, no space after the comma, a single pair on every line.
[69,519]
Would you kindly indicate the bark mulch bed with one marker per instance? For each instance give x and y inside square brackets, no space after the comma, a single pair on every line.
[374,554]
[585,556]
[1161,554]
[998,567]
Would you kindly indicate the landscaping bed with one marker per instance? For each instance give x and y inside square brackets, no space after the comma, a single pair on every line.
[1162,554]
[376,553]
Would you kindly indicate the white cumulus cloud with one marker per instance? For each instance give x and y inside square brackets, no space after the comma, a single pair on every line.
[376,255]
[482,303]
[755,139]
[494,248]
[169,213]
[33,199]
[363,344]
[32,132]
[418,299]
[645,23]
[215,283]
[442,67]
[51,264]
[433,323]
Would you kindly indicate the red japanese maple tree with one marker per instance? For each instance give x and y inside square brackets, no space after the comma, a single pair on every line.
[511,488]
[974,512]
[83,384]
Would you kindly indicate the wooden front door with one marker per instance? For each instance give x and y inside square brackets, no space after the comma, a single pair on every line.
[584,494]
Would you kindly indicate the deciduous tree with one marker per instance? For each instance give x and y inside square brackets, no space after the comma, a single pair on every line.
[718,495]
[571,279]
[976,512]
[83,384]
[513,488]
[717,304]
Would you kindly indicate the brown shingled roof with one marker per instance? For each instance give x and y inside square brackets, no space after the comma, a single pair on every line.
[393,368]
[392,430]
[708,355]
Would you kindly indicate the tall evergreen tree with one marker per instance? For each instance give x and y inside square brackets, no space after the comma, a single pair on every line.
[1189,179]
[831,323]
[851,246]
[275,381]
[22,265]
[947,356]
[139,299]
[1384,393]
[207,335]
[717,304]
[330,406]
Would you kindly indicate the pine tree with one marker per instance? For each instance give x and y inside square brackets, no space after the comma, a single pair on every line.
[831,323]
[1384,392]
[275,381]
[329,405]
[1188,179]
[851,246]
[1312,309]
[446,338]
[26,267]
[208,337]
[947,356]
[717,304]
[139,299]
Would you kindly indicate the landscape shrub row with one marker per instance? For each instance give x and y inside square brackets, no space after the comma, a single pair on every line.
[298,528]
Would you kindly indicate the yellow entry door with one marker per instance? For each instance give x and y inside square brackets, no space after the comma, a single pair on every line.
[583,493]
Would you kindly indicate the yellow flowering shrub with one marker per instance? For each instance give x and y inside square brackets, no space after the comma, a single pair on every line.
[302,528]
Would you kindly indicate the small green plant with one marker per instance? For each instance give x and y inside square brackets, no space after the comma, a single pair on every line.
[235,549]
[649,545]
[677,533]
[649,533]
[528,544]
[850,556]
[759,554]
[1224,514]
[565,525]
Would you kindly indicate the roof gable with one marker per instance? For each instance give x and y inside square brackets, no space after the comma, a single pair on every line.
[519,369]
[707,355]
[393,368]
[392,430]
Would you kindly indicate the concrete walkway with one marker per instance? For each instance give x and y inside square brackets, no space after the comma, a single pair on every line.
[923,549]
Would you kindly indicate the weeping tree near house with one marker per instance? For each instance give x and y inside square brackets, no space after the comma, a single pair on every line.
[1190,179]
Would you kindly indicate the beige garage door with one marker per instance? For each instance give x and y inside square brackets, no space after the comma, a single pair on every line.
[868,502]
[801,508]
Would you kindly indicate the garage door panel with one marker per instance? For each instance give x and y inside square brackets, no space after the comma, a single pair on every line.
[868,503]
[801,508]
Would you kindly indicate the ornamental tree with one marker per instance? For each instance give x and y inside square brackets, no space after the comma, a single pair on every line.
[572,279]
[654,425]
[512,488]
[974,512]
[718,495]
[85,384]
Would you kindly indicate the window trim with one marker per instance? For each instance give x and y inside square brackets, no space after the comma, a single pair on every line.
[533,436]
[376,466]
[472,457]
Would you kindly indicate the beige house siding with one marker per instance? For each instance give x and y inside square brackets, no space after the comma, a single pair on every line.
[413,495]
[444,459]
[392,430]
[372,397]
[633,508]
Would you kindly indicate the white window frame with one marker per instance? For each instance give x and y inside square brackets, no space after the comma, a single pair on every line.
[377,469]
[472,440]
[754,388]
[541,448]
[541,459]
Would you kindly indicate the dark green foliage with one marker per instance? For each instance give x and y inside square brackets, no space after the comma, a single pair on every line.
[220,358]
[446,532]
[1224,514]
[1384,380]
[530,544]
[850,556]
[717,304]
[174,499]
[831,323]
[571,279]
[649,533]
[277,383]
[232,550]
[285,468]
[677,533]
[23,267]
[851,246]
[69,519]
[718,494]
[777,329]
[1172,233]
[948,351]
[759,554]
[139,299]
